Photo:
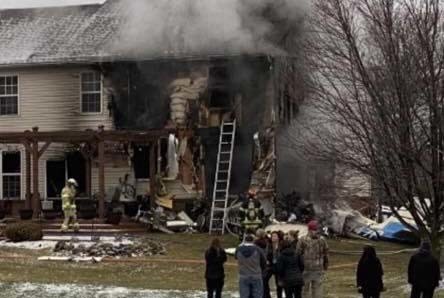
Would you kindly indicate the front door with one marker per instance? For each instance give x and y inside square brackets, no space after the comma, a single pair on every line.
[55,177]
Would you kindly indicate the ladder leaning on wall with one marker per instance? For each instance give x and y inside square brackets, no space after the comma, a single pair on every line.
[221,188]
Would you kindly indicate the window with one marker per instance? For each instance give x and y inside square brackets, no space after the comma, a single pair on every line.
[91,92]
[8,95]
[11,174]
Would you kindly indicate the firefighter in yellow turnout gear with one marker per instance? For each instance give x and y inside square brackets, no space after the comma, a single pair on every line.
[251,214]
[69,206]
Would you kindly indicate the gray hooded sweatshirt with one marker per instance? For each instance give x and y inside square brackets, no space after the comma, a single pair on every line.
[251,260]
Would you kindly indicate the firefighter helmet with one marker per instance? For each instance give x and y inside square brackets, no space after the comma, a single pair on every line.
[73,182]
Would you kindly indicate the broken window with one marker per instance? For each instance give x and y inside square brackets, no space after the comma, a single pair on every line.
[218,87]
[142,162]
[8,95]
[11,174]
[91,91]
[288,107]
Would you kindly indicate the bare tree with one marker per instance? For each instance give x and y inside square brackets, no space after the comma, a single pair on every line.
[377,95]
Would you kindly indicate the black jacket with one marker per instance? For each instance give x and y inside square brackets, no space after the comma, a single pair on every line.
[369,275]
[272,256]
[290,267]
[424,271]
[215,263]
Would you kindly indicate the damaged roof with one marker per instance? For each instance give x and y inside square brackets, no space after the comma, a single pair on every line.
[56,35]
[68,35]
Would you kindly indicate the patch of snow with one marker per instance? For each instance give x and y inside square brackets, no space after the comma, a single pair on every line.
[34,290]
[46,243]
[43,244]
[80,238]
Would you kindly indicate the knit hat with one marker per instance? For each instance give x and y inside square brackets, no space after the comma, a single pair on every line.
[313,225]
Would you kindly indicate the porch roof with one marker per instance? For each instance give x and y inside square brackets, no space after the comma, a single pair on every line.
[69,136]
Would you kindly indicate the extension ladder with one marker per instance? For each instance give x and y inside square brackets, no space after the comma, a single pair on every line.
[222,178]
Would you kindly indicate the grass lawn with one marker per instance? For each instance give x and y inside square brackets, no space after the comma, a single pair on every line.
[181,268]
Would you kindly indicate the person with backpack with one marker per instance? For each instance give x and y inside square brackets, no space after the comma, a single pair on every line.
[289,268]
[369,274]
[215,257]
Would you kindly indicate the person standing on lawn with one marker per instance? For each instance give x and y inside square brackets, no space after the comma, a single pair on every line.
[369,274]
[251,263]
[293,237]
[262,240]
[215,257]
[290,268]
[423,272]
[314,250]
[272,253]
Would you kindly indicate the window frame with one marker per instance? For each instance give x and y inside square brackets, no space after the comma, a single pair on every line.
[19,174]
[6,75]
[90,92]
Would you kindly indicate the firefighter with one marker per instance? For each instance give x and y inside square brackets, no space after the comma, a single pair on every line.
[251,213]
[69,206]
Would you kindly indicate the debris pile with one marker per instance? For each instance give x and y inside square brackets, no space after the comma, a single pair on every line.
[109,249]
[264,176]
[185,93]
[293,208]
[165,220]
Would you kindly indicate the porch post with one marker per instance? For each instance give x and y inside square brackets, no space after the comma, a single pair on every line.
[152,168]
[101,162]
[35,176]
[27,175]
[88,176]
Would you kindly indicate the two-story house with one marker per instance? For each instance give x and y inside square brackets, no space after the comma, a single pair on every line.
[156,116]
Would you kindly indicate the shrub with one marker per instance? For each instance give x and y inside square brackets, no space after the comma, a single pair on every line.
[23,231]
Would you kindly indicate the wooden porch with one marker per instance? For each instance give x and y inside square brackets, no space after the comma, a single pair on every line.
[92,147]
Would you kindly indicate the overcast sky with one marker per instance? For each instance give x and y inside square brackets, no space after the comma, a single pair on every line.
[40,3]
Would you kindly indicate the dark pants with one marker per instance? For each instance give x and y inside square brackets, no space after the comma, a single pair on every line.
[267,292]
[418,292]
[214,287]
[371,294]
[293,292]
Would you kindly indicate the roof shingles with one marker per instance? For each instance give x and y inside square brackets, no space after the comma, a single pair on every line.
[56,35]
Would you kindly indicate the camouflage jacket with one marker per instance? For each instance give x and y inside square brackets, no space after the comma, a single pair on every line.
[314,249]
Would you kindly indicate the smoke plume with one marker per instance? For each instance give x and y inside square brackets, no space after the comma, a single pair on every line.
[178,27]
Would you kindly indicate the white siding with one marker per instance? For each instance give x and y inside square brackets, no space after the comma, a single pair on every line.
[50,99]
[112,175]
[352,183]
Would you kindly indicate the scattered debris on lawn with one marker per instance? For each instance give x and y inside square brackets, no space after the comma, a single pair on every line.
[166,221]
[338,219]
[110,249]
[286,227]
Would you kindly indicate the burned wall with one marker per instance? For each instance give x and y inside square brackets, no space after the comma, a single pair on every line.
[236,86]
